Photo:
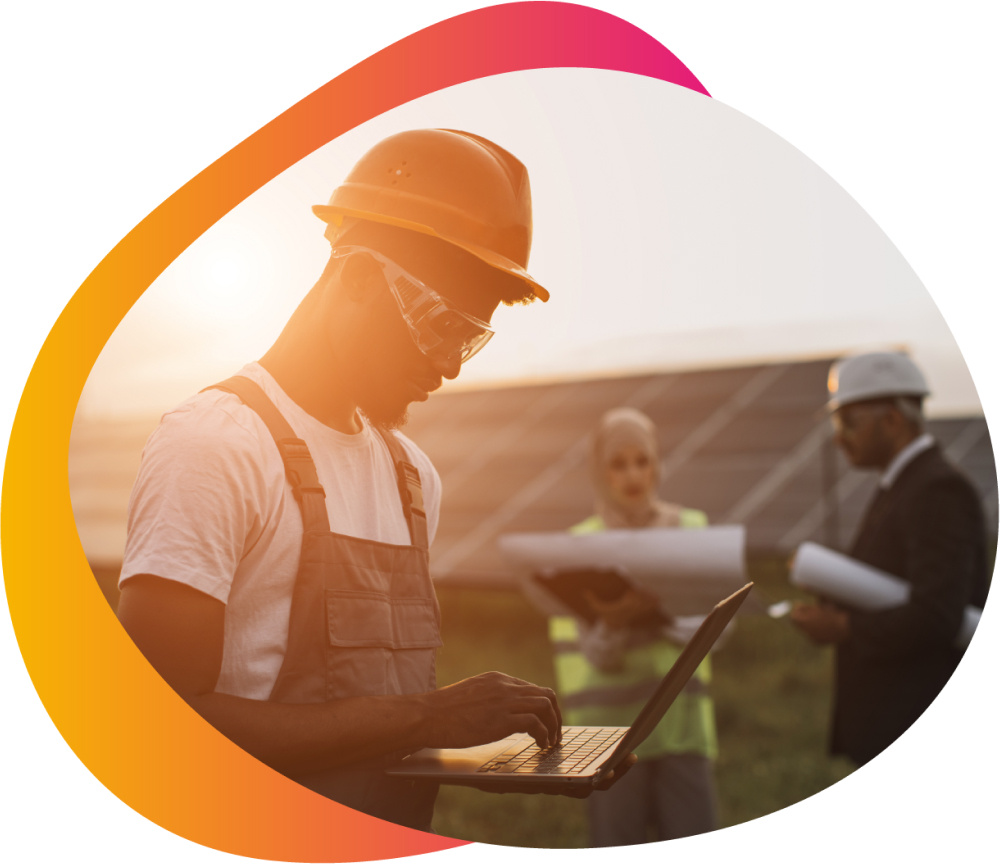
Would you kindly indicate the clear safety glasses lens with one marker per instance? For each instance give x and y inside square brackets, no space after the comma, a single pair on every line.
[437,327]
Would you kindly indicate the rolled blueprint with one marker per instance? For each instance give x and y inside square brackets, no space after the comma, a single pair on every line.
[689,570]
[848,581]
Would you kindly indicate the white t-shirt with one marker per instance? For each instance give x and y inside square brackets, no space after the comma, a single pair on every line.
[211,508]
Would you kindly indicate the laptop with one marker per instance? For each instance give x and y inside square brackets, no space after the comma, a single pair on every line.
[587,755]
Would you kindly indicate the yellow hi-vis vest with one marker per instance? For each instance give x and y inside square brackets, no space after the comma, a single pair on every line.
[591,697]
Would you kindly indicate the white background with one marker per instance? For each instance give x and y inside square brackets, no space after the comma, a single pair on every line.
[109,107]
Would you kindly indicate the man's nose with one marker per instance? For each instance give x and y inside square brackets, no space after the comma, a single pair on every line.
[448,367]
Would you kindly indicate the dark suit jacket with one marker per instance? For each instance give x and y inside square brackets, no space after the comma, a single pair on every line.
[928,529]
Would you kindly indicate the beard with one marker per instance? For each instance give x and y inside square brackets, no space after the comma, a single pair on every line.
[384,412]
[386,422]
[382,378]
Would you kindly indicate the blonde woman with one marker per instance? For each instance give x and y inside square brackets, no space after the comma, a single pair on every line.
[607,669]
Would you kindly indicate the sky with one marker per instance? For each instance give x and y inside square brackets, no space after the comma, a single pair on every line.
[672,231]
[110,107]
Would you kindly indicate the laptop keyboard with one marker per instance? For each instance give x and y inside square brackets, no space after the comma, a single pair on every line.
[579,748]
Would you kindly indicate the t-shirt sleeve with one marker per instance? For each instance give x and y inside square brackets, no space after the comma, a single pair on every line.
[197,501]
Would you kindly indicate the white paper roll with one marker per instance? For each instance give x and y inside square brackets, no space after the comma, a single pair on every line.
[848,581]
[690,570]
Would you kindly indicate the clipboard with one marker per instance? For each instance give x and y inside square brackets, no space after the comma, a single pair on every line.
[570,587]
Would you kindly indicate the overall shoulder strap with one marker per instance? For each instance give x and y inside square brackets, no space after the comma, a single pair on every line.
[299,466]
[410,491]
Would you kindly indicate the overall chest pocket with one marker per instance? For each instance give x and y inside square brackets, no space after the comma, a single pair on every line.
[378,645]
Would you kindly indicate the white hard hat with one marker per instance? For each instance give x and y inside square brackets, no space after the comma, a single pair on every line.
[872,376]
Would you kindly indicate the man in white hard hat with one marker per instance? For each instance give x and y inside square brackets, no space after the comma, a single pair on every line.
[925,525]
[276,567]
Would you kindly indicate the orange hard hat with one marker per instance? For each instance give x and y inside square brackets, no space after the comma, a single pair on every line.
[453,185]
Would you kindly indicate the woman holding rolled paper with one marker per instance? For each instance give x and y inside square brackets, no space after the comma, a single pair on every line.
[609,663]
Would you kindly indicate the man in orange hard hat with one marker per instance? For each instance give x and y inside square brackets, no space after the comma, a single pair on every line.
[276,567]
[926,527]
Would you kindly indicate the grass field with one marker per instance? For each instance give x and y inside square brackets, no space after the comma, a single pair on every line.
[771,690]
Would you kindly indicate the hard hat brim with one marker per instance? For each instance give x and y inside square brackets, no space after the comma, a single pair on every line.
[870,396]
[335,215]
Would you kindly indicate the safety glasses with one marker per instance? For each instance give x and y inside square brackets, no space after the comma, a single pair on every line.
[438,328]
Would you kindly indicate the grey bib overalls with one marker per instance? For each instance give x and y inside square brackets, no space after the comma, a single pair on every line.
[364,619]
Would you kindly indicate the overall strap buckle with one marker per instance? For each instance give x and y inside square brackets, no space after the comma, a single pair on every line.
[410,489]
[299,467]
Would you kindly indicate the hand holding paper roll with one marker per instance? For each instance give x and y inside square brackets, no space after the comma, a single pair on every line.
[849,582]
[824,623]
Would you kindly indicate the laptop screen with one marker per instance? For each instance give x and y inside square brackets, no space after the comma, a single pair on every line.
[673,683]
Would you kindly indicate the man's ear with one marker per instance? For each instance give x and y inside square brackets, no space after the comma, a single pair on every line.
[896,422]
[361,277]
